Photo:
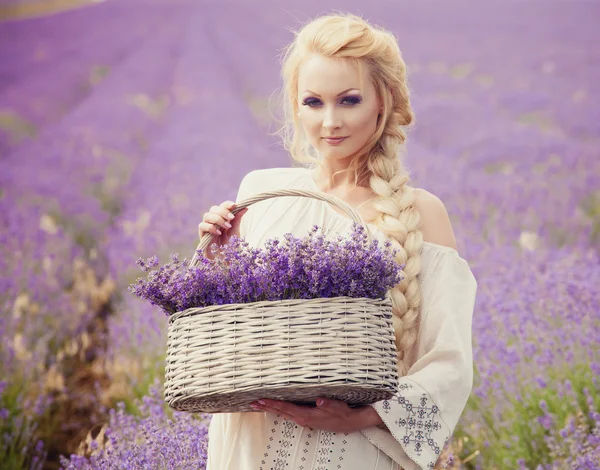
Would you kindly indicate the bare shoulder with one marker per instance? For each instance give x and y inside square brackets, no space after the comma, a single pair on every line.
[435,222]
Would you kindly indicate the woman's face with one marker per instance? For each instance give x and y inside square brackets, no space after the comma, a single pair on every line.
[331,102]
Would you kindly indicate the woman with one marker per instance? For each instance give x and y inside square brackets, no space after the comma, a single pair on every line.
[346,102]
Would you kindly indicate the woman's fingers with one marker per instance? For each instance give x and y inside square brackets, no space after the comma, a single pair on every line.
[224,210]
[204,227]
[220,219]
[227,205]
[217,218]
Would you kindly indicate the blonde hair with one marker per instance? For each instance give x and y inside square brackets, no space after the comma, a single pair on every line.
[350,37]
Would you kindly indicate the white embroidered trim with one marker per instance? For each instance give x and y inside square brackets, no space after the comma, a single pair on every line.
[416,423]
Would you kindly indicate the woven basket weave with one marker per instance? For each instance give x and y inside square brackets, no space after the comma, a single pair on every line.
[222,357]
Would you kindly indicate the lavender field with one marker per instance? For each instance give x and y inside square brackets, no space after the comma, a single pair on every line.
[122,122]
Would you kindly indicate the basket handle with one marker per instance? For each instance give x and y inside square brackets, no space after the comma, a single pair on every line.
[335,201]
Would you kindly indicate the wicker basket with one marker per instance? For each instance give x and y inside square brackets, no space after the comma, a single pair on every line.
[222,357]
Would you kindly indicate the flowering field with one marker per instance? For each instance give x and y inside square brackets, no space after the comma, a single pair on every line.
[123,122]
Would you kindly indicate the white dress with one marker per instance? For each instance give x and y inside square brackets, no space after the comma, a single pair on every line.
[430,398]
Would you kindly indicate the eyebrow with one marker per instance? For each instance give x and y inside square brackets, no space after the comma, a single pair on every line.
[339,94]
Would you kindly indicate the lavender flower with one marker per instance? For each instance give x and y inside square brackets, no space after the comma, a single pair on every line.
[293,268]
[155,438]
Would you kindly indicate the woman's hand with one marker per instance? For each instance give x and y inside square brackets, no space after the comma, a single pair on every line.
[221,223]
[331,415]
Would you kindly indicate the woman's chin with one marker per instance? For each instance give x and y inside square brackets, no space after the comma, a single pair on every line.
[338,152]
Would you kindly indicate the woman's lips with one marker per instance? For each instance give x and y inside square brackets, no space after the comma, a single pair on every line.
[334,141]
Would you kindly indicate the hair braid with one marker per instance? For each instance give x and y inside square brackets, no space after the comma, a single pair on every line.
[400,220]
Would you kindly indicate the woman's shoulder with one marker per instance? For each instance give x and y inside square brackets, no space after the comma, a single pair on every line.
[436,227]
[270,178]
[442,264]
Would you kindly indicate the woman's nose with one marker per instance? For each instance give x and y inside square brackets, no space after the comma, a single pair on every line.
[331,120]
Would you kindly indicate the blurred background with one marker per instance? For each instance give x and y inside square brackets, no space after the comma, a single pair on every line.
[123,121]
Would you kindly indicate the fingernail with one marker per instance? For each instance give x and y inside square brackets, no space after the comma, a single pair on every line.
[319,402]
[227,224]
[262,402]
[230,216]
[218,231]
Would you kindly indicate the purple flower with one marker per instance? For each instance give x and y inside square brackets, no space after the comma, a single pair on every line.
[150,439]
[293,268]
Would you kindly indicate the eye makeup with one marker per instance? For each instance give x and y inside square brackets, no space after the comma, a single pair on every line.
[350,100]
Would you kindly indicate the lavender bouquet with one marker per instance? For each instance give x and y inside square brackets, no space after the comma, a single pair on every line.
[293,268]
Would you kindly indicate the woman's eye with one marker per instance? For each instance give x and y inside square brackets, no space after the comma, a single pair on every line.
[351,100]
[313,102]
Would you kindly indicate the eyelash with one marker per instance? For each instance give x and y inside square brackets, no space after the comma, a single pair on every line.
[355,100]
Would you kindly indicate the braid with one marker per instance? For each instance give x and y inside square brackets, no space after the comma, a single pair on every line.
[398,216]
[400,221]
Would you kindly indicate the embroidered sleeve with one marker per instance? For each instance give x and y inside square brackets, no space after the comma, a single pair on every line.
[431,397]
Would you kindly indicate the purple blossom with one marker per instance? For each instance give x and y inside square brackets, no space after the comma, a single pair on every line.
[155,438]
[295,268]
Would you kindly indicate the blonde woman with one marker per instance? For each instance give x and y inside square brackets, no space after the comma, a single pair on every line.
[346,104]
